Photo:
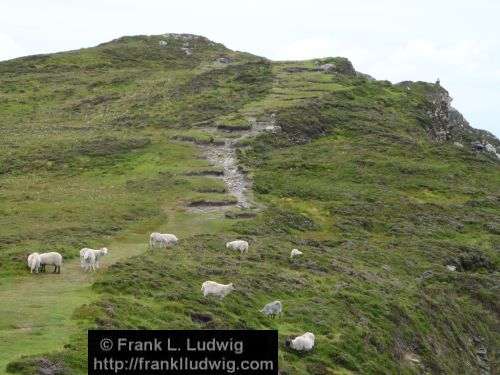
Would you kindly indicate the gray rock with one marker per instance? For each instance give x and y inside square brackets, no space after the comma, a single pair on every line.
[426,275]
[224,60]
[477,146]
[327,67]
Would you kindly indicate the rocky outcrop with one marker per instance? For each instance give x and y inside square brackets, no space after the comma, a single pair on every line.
[448,124]
[339,65]
[445,120]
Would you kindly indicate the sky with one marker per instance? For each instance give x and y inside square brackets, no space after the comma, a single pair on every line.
[456,41]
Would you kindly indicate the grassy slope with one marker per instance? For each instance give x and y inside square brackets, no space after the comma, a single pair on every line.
[353,181]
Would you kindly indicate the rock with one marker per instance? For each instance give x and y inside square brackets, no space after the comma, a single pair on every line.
[490,148]
[46,367]
[482,356]
[450,267]
[339,65]
[471,260]
[493,228]
[483,146]
[477,146]
[224,60]
[296,69]
[426,275]
[201,317]
[327,67]
[272,128]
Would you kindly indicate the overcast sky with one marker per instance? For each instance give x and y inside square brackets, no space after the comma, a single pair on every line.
[457,41]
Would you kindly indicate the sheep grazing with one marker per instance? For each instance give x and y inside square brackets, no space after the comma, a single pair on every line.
[272,308]
[52,258]
[34,262]
[162,240]
[302,343]
[239,245]
[89,258]
[295,253]
[219,290]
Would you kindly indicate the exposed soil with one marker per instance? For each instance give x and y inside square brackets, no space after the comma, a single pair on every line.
[223,156]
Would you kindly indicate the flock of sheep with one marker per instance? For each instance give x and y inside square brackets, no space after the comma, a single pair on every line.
[89,261]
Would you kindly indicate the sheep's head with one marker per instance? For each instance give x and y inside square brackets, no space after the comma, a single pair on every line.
[104,250]
[231,286]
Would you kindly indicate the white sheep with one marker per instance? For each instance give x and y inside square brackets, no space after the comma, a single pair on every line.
[302,343]
[51,258]
[89,258]
[82,255]
[295,253]
[162,240]
[219,290]
[239,245]
[34,262]
[272,308]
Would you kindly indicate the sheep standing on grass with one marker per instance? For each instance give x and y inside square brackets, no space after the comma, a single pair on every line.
[82,255]
[295,253]
[162,240]
[302,343]
[34,262]
[89,258]
[219,290]
[52,258]
[239,245]
[272,308]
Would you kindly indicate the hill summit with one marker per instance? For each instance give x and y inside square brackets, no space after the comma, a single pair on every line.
[388,192]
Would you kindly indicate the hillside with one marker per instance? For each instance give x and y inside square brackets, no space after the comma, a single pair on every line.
[381,185]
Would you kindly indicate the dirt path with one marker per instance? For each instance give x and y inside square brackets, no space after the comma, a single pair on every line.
[224,157]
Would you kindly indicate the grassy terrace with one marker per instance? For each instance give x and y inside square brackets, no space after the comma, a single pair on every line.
[99,149]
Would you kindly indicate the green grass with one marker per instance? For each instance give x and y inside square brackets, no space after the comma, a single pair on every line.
[99,149]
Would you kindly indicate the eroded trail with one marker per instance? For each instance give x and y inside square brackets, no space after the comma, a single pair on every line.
[223,155]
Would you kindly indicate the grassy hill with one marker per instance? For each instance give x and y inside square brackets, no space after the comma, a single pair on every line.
[380,185]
